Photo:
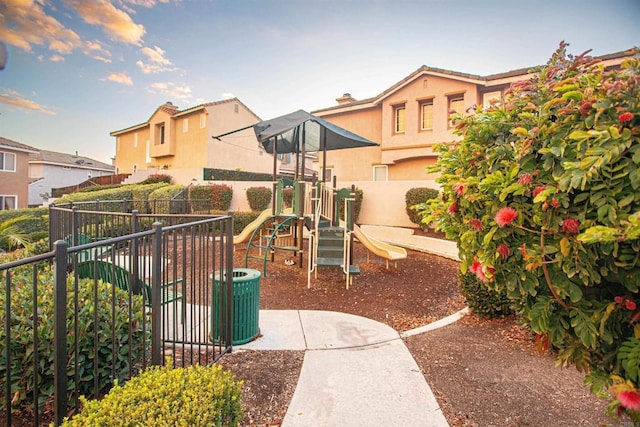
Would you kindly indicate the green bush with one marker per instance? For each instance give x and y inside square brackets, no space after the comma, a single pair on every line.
[35,228]
[122,192]
[21,347]
[210,197]
[483,301]
[140,196]
[414,197]
[158,178]
[259,198]
[543,196]
[159,199]
[357,204]
[165,396]
[242,219]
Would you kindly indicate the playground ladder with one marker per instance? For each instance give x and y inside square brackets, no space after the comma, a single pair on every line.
[274,233]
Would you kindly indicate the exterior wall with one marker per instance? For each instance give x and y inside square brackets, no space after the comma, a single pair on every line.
[54,176]
[16,183]
[130,153]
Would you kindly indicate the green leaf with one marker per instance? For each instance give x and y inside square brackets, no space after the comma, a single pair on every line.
[599,234]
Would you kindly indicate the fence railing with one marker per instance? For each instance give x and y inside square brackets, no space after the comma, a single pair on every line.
[97,309]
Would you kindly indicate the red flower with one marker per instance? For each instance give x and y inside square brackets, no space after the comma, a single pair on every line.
[539,189]
[476,224]
[505,216]
[453,209]
[476,268]
[630,305]
[459,189]
[503,250]
[586,108]
[629,399]
[555,203]
[525,179]
[626,117]
[571,226]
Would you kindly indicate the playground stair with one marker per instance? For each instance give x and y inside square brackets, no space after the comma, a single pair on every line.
[330,252]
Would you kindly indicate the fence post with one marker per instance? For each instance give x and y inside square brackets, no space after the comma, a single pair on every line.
[135,264]
[229,283]
[60,331]
[156,294]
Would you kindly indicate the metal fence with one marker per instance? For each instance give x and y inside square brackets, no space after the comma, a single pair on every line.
[97,309]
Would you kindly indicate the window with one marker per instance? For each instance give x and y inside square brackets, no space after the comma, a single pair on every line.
[380,173]
[285,157]
[235,108]
[426,115]
[118,144]
[7,162]
[491,98]
[147,153]
[8,203]
[203,120]
[398,114]
[328,175]
[456,106]
[135,140]
[185,125]
[160,134]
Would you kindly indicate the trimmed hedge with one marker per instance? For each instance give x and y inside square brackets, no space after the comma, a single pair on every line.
[211,197]
[416,196]
[140,196]
[259,198]
[165,396]
[164,195]
[210,174]
[242,219]
[483,301]
[123,192]
[158,178]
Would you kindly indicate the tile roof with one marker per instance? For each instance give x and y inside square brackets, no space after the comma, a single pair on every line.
[8,143]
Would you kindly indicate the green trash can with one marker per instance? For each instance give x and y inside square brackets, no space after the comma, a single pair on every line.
[246,306]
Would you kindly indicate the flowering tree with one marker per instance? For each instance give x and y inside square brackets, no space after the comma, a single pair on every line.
[543,196]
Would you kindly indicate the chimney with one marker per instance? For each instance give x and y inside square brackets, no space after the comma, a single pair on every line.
[345,99]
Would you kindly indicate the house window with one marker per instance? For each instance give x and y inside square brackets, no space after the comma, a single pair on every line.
[160,134]
[203,120]
[380,173]
[235,108]
[118,144]
[185,125]
[491,98]
[285,157]
[147,153]
[8,203]
[7,162]
[456,106]
[135,140]
[426,115]
[328,175]
[398,118]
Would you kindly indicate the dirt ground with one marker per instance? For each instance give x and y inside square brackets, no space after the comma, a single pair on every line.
[483,372]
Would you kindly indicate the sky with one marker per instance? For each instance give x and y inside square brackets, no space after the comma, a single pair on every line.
[77,70]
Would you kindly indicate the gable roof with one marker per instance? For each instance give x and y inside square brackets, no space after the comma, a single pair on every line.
[16,146]
[173,111]
[487,80]
[64,159]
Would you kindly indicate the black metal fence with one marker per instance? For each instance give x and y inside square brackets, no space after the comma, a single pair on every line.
[116,293]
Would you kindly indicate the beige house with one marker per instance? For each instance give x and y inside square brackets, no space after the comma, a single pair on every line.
[409,118]
[180,142]
[14,174]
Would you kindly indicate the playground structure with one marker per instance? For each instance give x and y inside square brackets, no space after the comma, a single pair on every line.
[316,205]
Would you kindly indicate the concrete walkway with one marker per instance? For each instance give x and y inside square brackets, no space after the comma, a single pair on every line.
[356,371]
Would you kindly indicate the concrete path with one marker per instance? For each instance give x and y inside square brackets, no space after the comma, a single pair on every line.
[356,371]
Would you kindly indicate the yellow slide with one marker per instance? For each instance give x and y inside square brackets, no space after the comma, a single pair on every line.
[379,248]
[246,232]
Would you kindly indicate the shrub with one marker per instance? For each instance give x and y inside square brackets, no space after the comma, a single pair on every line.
[211,197]
[483,301]
[33,223]
[259,198]
[158,178]
[357,204]
[166,396]
[159,199]
[543,196]
[242,219]
[140,196]
[21,349]
[122,192]
[414,197]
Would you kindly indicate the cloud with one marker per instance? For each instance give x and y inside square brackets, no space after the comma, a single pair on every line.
[172,90]
[13,98]
[121,78]
[26,23]
[227,95]
[115,22]
[56,58]
[157,61]
[96,50]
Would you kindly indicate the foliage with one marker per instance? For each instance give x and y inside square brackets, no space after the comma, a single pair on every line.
[259,198]
[211,197]
[483,301]
[140,196]
[160,198]
[543,196]
[242,219]
[158,178]
[356,204]
[10,234]
[21,348]
[236,175]
[33,225]
[97,187]
[122,192]
[166,396]
[287,197]
[414,197]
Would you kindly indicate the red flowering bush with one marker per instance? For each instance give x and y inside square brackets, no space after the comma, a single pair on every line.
[554,171]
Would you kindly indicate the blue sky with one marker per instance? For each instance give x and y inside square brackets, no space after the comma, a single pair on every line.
[79,69]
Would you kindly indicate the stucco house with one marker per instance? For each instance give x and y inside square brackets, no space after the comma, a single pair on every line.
[409,118]
[14,174]
[180,142]
[50,169]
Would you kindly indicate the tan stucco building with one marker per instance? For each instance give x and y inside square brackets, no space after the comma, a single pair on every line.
[181,143]
[409,118]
